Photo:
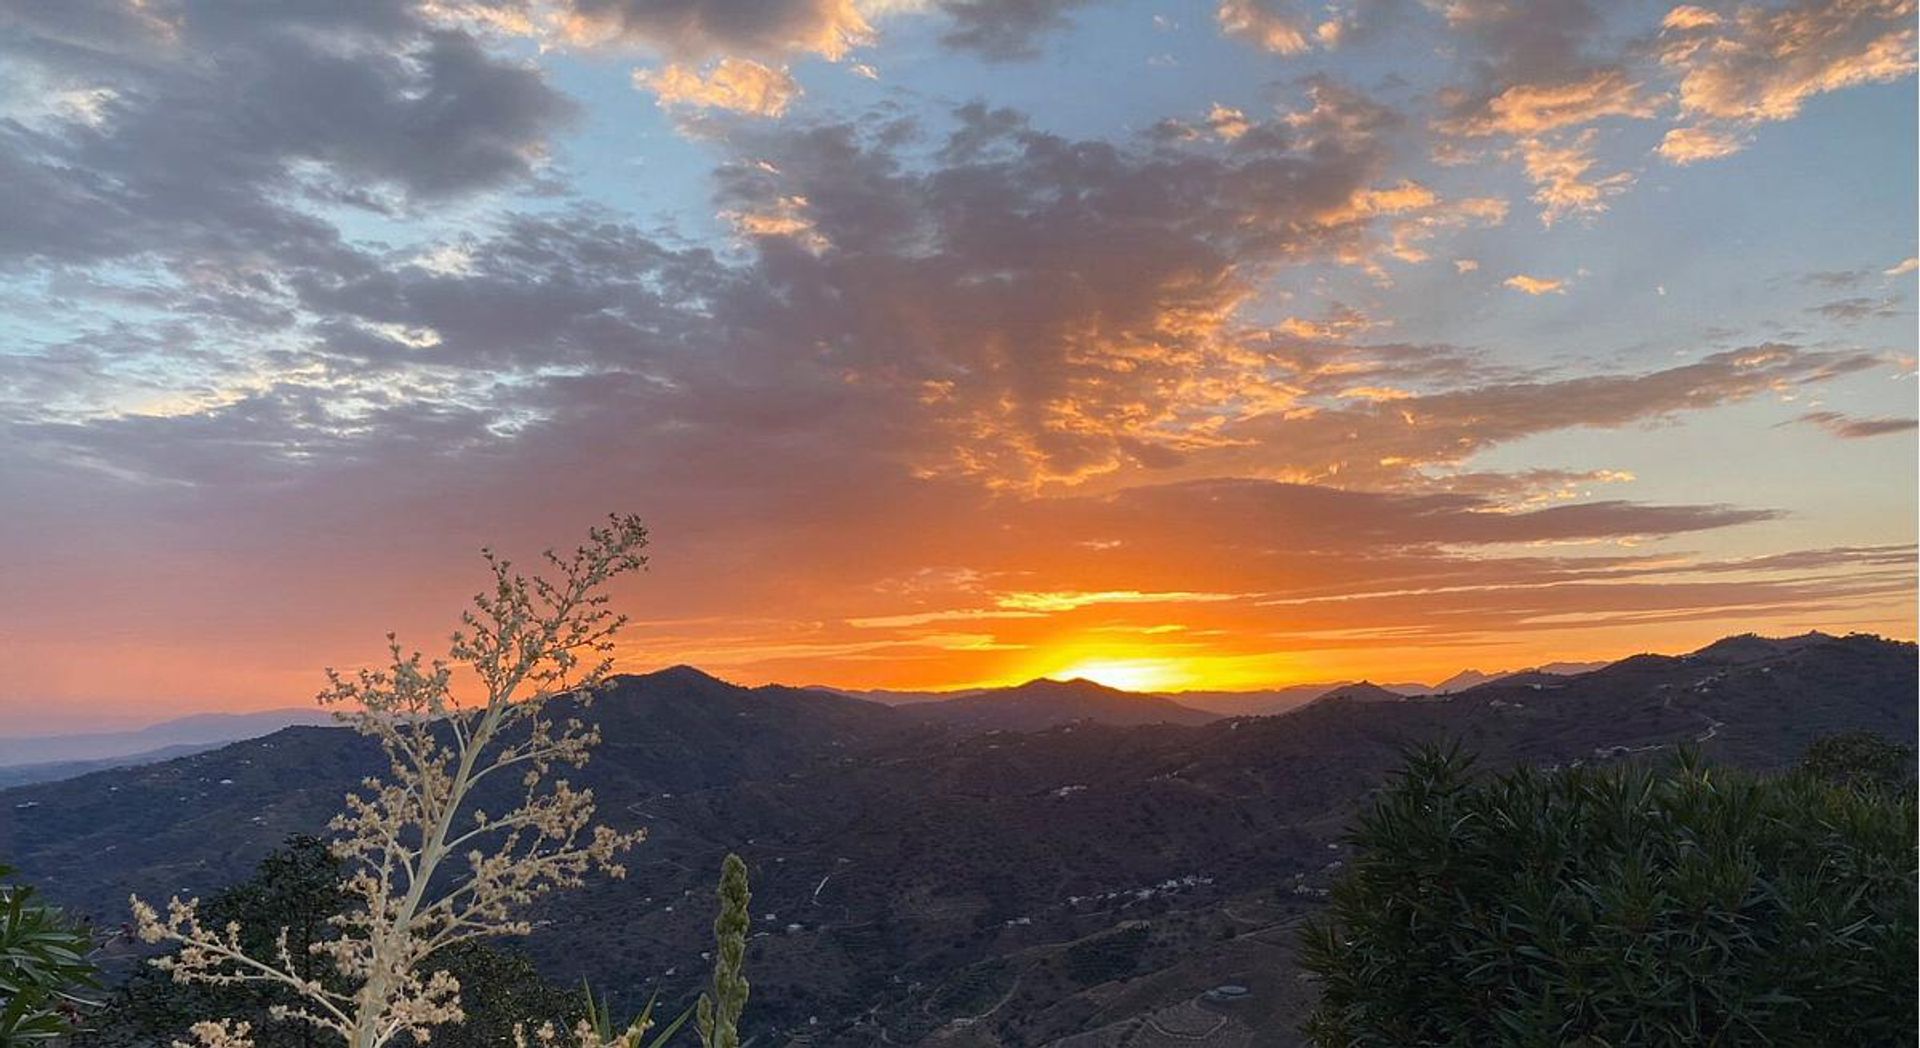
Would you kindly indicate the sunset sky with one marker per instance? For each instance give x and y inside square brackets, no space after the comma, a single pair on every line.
[952,342]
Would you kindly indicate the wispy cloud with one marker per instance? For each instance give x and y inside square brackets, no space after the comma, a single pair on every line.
[1536,285]
[1853,428]
[915,393]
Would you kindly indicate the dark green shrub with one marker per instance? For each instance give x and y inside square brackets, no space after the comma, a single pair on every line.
[45,965]
[1860,758]
[297,888]
[1620,906]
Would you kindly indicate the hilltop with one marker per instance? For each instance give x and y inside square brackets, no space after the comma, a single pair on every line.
[1045,703]
[927,882]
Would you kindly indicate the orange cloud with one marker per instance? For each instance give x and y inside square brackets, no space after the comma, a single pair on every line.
[739,85]
[1768,62]
[1529,109]
[1341,321]
[1763,63]
[1262,23]
[1070,600]
[784,217]
[1690,145]
[1688,16]
[1227,122]
[1536,285]
[1562,177]
[1540,115]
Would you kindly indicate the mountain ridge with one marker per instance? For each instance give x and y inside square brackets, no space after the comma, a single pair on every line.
[194,729]
[909,874]
[1045,702]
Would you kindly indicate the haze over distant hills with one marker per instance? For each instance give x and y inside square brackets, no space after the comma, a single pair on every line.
[941,879]
[1035,704]
[1238,703]
[25,758]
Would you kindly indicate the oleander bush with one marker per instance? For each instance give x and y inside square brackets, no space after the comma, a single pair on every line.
[46,968]
[1625,905]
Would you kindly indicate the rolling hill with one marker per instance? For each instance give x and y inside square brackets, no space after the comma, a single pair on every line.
[1080,885]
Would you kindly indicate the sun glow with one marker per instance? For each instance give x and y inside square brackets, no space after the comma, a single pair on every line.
[1126,674]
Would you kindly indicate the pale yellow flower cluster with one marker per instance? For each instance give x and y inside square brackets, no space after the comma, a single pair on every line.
[530,642]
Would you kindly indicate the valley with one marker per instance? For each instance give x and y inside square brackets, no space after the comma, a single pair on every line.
[1015,869]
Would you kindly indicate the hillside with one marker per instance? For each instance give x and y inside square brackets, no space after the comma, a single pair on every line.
[1081,885]
[1046,703]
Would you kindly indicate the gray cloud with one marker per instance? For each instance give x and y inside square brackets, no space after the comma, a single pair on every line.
[1005,30]
[699,28]
[209,125]
[1858,308]
[1852,428]
[997,30]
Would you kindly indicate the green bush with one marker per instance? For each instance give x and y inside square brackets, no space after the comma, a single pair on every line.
[297,888]
[1618,906]
[1860,758]
[45,964]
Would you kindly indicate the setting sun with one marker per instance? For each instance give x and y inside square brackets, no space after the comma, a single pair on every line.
[1126,674]
[1036,495]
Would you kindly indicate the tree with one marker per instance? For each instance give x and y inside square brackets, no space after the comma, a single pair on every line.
[45,968]
[526,642]
[502,991]
[296,889]
[1860,758]
[1623,905]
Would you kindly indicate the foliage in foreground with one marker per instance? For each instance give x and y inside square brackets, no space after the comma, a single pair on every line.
[1859,758]
[1628,905]
[426,869]
[297,890]
[44,967]
[720,1010]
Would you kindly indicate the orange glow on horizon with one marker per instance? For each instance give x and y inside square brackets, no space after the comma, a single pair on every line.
[1127,674]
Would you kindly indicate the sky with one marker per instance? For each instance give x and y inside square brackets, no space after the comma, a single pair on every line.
[953,342]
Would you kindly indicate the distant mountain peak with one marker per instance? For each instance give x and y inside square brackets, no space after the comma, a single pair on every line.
[1742,647]
[1361,691]
[683,675]
[1044,685]
[1045,702]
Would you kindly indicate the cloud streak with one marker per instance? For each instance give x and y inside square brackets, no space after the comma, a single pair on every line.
[913,392]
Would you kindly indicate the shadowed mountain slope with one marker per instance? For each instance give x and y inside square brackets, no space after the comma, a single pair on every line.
[1071,882]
